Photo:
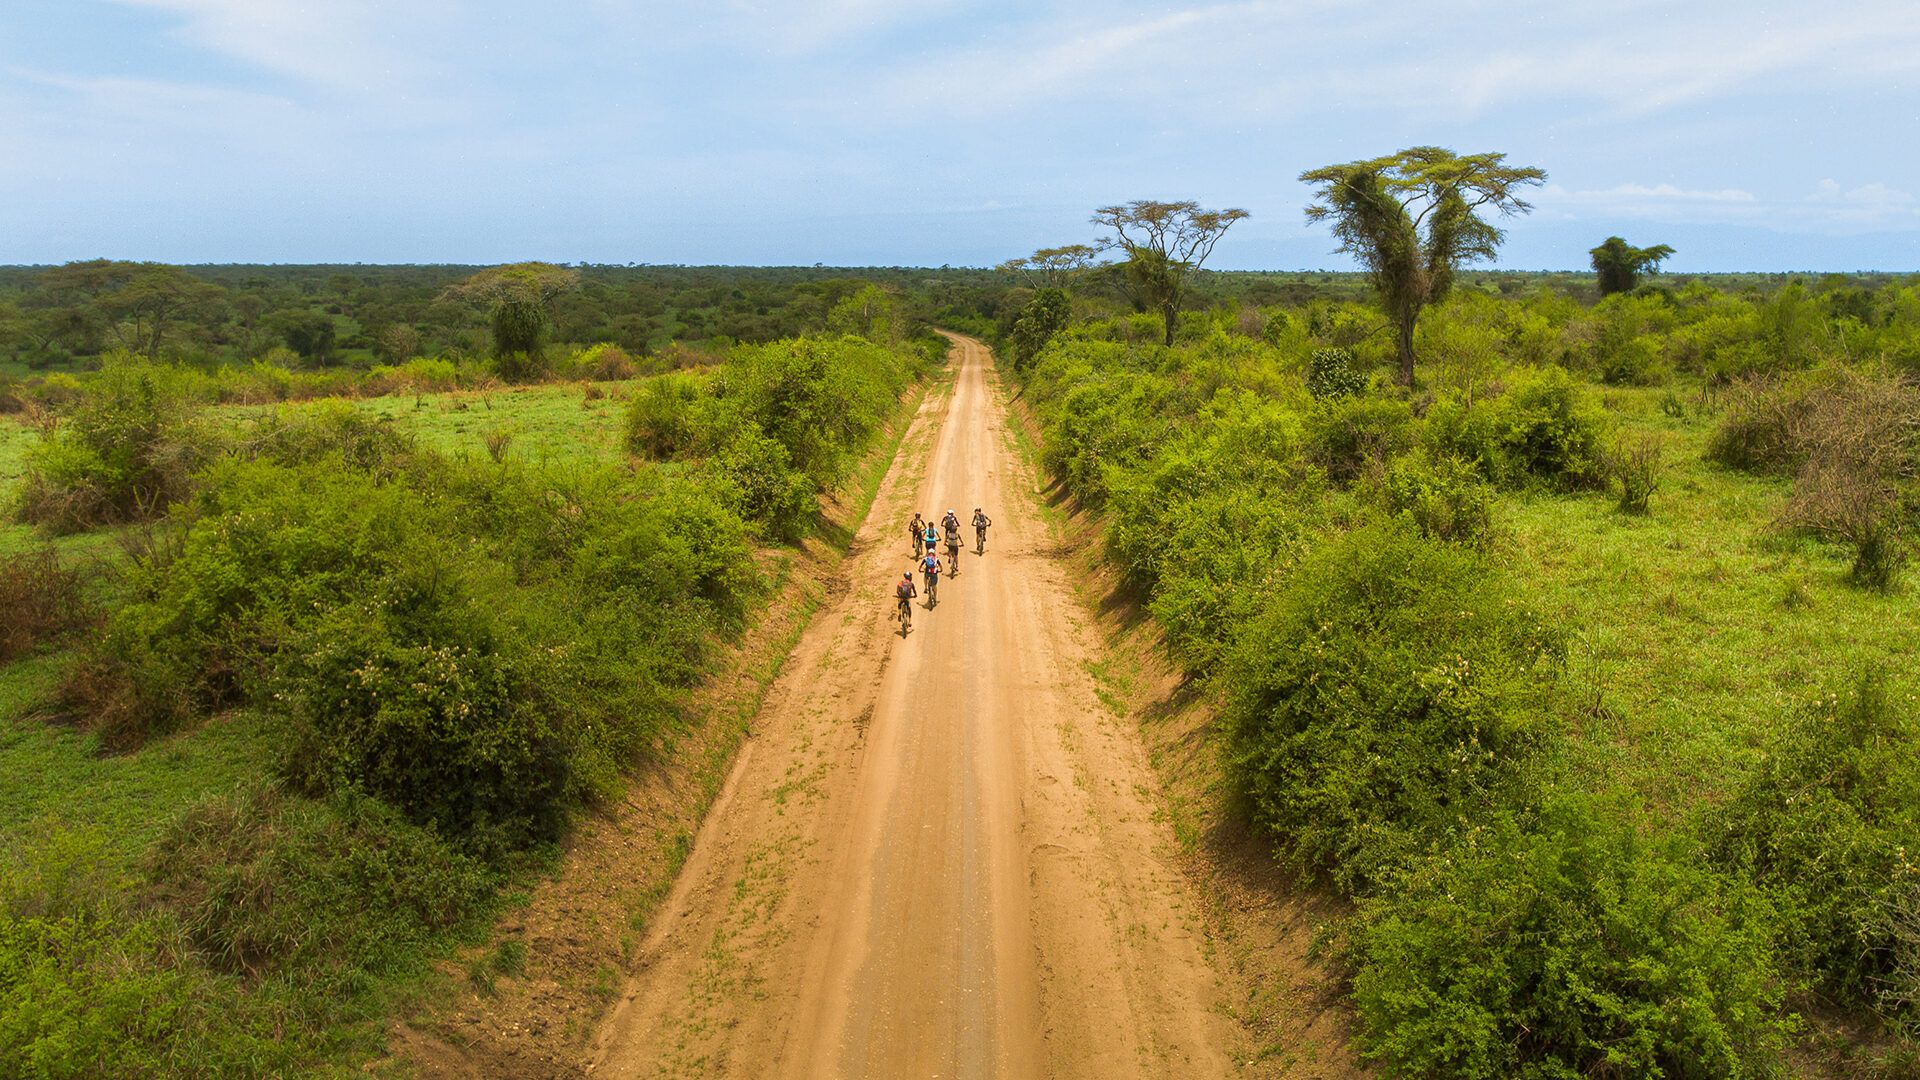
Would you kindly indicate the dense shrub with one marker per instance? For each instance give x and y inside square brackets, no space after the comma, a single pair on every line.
[757,479]
[124,451]
[1446,497]
[43,601]
[776,424]
[1851,441]
[84,990]
[1565,944]
[1829,825]
[1214,522]
[664,416]
[1043,316]
[1349,436]
[1546,428]
[263,883]
[1330,374]
[482,648]
[1392,691]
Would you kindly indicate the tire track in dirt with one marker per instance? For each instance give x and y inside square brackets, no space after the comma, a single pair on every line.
[938,855]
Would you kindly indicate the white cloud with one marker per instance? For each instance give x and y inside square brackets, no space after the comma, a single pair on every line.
[1830,208]
[1262,58]
[358,47]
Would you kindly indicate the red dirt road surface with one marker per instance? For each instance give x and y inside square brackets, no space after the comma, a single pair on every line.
[938,855]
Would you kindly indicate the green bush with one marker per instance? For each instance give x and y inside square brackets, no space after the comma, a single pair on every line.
[483,648]
[1214,522]
[264,883]
[1565,944]
[1392,691]
[760,484]
[1348,436]
[1330,374]
[1546,428]
[663,416]
[84,989]
[1829,825]
[1446,497]
[123,453]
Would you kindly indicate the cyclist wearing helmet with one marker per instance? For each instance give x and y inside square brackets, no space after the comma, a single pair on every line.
[916,532]
[904,592]
[980,524]
[930,573]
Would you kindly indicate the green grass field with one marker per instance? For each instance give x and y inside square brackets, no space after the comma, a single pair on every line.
[1699,626]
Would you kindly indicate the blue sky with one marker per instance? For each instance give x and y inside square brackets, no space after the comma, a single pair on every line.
[1746,135]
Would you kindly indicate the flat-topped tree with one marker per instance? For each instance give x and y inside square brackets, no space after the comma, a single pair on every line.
[1413,218]
[1165,242]
[1053,268]
[518,298]
[1620,264]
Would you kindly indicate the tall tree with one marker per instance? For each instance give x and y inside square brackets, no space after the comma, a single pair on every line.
[520,299]
[1620,264]
[1165,242]
[1413,218]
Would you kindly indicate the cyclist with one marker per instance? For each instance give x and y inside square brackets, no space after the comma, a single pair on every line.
[916,531]
[953,548]
[904,592]
[951,522]
[929,539]
[980,524]
[930,572]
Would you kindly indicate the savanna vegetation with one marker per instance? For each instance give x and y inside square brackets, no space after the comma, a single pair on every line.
[1562,623]
[297,695]
[1567,632]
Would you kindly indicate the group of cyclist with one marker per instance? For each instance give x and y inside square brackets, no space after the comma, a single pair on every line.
[926,538]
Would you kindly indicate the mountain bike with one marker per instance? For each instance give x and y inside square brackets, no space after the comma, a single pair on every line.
[904,616]
[979,539]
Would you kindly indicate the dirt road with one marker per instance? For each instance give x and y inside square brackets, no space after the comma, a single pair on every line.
[938,855]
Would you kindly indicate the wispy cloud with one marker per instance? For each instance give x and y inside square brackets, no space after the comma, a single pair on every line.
[1831,207]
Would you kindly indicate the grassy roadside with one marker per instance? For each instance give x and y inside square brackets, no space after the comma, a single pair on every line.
[1263,930]
[576,929]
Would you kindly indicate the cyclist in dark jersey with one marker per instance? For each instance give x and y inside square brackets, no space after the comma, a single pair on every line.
[916,532]
[904,592]
[980,523]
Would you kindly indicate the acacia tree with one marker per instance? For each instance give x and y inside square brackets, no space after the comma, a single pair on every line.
[142,304]
[519,298]
[1165,242]
[1620,264]
[1053,268]
[1413,218]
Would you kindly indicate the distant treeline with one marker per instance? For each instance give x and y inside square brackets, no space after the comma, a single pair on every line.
[354,315]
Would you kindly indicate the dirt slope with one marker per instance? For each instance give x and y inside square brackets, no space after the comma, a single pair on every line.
[938,855]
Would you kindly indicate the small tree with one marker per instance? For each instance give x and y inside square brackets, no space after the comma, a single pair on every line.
[519,299]
[1165,242]
[311,334]
[1044,316]
[1620,264]
[1412,219]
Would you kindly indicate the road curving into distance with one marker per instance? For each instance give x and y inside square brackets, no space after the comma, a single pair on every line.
[937,856]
